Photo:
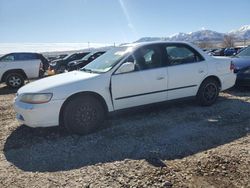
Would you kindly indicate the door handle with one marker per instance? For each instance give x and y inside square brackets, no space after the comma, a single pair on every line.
[200,71]
[160,78]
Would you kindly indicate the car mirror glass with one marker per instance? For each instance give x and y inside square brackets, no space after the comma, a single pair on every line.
[126,67]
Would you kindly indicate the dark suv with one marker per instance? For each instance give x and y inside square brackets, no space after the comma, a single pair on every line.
[75,65]
[60,65]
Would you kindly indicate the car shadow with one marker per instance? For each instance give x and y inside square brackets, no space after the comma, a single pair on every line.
[156,133]
[5,90]
[239,91]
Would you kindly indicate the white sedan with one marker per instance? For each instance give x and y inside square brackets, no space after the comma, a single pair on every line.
[126,76]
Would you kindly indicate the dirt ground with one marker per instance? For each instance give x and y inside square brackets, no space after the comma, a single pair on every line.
[176,144]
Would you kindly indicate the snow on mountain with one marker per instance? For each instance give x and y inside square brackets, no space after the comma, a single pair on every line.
[242,33]
[148,39]
[179,37]
[203,35]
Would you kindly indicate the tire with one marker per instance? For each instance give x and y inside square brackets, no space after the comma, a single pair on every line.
[208,92]
[14,80]
[83,114]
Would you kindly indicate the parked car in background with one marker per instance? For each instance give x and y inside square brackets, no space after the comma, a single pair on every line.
[15,68]
[242,67]
[218,52]
[60,65]
[52,58]
[211,51]
[127,76]
[229,52]
[75,65]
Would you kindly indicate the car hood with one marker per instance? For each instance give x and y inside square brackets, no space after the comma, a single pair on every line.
[241,62]
[50,83]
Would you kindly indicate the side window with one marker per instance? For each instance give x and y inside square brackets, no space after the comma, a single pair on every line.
[148,57]
[8,58]
[180,54]
[72,57]
[25,56]
[80,56]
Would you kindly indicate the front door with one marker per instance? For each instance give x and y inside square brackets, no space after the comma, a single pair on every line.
[147,84]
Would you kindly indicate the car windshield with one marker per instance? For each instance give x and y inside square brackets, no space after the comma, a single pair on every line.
[108,60]
[244,53]
[87,56]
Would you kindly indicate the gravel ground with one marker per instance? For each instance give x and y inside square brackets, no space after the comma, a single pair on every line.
[176,144]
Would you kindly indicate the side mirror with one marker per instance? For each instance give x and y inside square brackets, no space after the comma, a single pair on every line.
[126,67]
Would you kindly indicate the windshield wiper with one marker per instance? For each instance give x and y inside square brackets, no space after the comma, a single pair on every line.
[89,70]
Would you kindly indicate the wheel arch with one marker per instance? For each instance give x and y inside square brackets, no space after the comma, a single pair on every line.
[20,71]
[89,93]
[216,78]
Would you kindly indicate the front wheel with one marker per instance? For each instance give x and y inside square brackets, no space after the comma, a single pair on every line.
[208,92]
[83,114]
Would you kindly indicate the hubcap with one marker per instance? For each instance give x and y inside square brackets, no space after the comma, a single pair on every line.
[85,114]
[15,81]
[210,92]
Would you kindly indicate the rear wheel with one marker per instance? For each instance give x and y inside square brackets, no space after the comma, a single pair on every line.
[208,92]
[14,80]
[83,114]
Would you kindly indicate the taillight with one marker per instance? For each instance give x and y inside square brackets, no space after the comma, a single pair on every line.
[232,66]
[41,66]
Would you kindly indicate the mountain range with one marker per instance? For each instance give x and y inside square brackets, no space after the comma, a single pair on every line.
[240,34]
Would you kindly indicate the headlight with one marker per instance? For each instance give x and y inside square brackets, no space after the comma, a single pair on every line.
[36,98]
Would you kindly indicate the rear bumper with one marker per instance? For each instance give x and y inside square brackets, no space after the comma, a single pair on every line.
[227,81]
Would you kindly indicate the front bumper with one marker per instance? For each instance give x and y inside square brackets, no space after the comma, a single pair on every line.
[38,115]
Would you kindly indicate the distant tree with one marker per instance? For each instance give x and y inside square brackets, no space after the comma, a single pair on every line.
[205,44]
[229,41]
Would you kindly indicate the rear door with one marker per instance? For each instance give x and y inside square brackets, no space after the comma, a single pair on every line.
[147,84]
[186,69]
[5,63]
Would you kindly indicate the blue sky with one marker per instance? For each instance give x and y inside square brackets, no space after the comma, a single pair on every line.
[109,21]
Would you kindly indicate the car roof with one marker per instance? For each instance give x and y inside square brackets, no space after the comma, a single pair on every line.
[139,44]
